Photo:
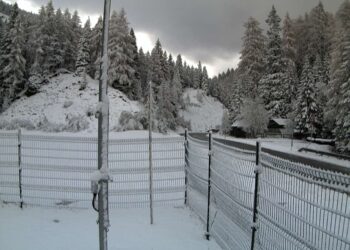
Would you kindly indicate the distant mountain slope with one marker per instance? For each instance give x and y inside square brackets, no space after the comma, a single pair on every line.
[61,106]
[204,112]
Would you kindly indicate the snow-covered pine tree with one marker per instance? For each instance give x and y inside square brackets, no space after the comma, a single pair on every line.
[308,118]
[2,29]
[171,65]
[318,27]
[120,54]
[49,37]
[338,106]
[156,66]
[5,52]
[83,57]
[143,71]
[271,84]
[165,66]
[179,66]
[177,88]
[13,73]
[205,80]
[290,78]
[135,64]
[252,62]
[166,109]
[95,49]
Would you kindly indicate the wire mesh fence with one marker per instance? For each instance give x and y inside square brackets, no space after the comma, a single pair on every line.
[299,206]
[56,170]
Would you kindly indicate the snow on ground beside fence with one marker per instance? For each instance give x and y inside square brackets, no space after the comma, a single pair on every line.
[285,145]
[57,229]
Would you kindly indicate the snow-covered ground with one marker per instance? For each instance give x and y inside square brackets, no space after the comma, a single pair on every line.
[57,229]
[60,104]
[292,147]
[204,112]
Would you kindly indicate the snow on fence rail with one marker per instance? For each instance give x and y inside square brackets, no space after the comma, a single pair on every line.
[56,170]
[298,206]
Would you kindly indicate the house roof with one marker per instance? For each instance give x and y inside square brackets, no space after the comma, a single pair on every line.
[281,121]
[240,124]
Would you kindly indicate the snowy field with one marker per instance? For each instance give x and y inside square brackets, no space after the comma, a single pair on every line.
[57,229]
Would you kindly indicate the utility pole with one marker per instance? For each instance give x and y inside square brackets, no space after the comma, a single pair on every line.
[103,126]
[150,100]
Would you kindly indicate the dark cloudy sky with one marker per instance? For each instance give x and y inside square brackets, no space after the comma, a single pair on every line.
[206,30]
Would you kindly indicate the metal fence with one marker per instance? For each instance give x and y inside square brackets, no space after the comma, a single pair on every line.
[264,199]
[47,170]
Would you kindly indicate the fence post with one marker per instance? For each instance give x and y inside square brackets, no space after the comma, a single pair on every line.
[20,166]
[256,193]
[150,152]
[207,234]
[186,166]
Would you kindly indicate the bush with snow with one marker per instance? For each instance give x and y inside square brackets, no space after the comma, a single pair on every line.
[128,121]
[254,113]
[16,124]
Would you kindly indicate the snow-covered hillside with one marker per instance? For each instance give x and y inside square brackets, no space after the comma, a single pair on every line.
[204,112]
[61,106]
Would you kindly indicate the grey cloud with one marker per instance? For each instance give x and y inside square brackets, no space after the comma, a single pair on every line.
[201,29]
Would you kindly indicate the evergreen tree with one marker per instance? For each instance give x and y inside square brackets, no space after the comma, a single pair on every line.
[338,106]
[177,88]
[318,28]
[14,72]
[308,120]
[6,50]
[252,63]
[171,65]
[166,109]
[205,80]
[179,66]
[156,66]
[95,49]
[143,71]
[83,59]
[135,64]
[271,84]
[290,78]
[120,72]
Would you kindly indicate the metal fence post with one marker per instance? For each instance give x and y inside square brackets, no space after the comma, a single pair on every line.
[207,234]
[150,152]
[103,130]
[186,166]
[256,194]
[20,166]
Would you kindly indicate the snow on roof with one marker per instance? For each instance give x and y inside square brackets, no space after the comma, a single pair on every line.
[241,124]
[281,121]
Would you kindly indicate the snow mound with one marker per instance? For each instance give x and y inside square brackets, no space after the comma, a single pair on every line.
[61,106]
[204,112]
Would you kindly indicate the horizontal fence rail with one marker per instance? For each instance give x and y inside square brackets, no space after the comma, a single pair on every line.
[56,170]
[300,203]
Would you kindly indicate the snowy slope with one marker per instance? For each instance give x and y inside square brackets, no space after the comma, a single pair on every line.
[202,111]
[61,106]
